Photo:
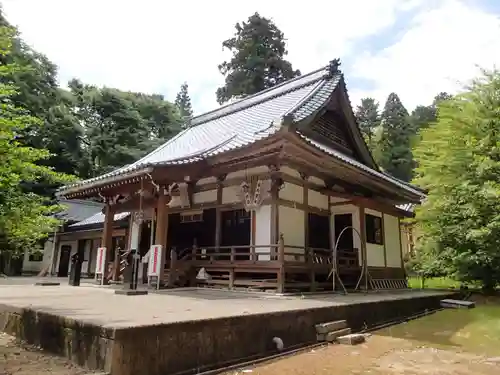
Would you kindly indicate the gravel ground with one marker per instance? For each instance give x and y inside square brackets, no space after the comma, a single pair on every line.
[378,356]
[19,359]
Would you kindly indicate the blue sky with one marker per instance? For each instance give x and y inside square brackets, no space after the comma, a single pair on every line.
[416,48]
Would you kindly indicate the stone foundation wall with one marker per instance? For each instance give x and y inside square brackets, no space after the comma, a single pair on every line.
[87,345]
[195,346]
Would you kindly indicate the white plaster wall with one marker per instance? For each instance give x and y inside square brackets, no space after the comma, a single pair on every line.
[316,199]
[374,252]
[263,231]
[337,200]
[290,172]
[292,192]
[392,241]
[208,180]
[205,196]
[230,194]
[354,211]
[291,225]
[247,172]
[316,181]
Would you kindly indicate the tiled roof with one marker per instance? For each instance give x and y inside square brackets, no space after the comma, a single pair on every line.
[76,210]
[98,218]
[409,207]
[238,124]
[244,122]
[359,165]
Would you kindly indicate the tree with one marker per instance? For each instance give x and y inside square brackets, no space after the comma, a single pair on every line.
[459,163]
[422,116]
[393,151]
[183,102]
[258,49]
[368,119]
[38,93]
[25,218]
[119,127]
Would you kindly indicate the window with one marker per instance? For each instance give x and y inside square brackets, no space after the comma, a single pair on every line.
[36,256]
[374,233]
[191,217]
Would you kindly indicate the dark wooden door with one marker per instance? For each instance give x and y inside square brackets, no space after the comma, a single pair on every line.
[64,259]
[341,222]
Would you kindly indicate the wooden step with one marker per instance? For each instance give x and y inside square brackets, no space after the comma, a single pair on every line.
[332,336]
[324,328]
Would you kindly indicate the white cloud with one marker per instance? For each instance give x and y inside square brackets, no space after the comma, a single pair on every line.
[441,51]
[154,46]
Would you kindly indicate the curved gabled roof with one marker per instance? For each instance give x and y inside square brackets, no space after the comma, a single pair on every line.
[244,122]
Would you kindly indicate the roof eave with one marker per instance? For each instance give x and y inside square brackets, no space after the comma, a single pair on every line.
[101,182]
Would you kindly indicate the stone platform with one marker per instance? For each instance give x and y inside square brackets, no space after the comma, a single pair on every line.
[184,330]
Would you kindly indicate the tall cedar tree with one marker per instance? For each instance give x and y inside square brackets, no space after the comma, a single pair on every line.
[367,115]
[25,218]
[459,163]
[393,150]
[258,49]
[183,102]
[422,116]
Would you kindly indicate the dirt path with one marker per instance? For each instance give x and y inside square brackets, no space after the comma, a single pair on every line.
[18,359]
[379,356]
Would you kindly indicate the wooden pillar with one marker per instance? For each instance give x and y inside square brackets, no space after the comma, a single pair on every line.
[275,186]
[382,228]
[107,235]
[281,260]
[362,227]
[161,229]
[218,212]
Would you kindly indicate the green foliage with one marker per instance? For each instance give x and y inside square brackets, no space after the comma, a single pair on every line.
[24,217]
[423,116]
[258,49]
[119,127]
[459,163]
[183,102]
[393,150]
[367,115]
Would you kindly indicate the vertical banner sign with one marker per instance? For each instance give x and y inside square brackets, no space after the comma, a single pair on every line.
[100,265]
[154,266]
[154,261]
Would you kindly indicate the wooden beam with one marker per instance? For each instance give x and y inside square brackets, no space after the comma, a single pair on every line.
[107,235]
[161,229]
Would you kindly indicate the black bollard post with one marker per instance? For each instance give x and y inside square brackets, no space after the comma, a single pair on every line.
[136,258]
[76,270]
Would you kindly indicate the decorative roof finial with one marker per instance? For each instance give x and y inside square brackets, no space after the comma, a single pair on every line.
[333,67]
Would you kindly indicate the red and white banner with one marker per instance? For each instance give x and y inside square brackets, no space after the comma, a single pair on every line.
[154,265]
[100,265]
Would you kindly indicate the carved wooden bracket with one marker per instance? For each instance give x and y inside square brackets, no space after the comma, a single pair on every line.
[253,192]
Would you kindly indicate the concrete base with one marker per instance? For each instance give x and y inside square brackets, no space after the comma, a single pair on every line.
[457,304]
[352,339]
[130,292]
[106,332]
[47,283]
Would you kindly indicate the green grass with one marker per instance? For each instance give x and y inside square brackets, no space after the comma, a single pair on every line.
[434,283]
[475,330]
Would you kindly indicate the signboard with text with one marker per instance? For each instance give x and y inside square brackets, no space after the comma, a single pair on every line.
[100,265]
[154,266]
